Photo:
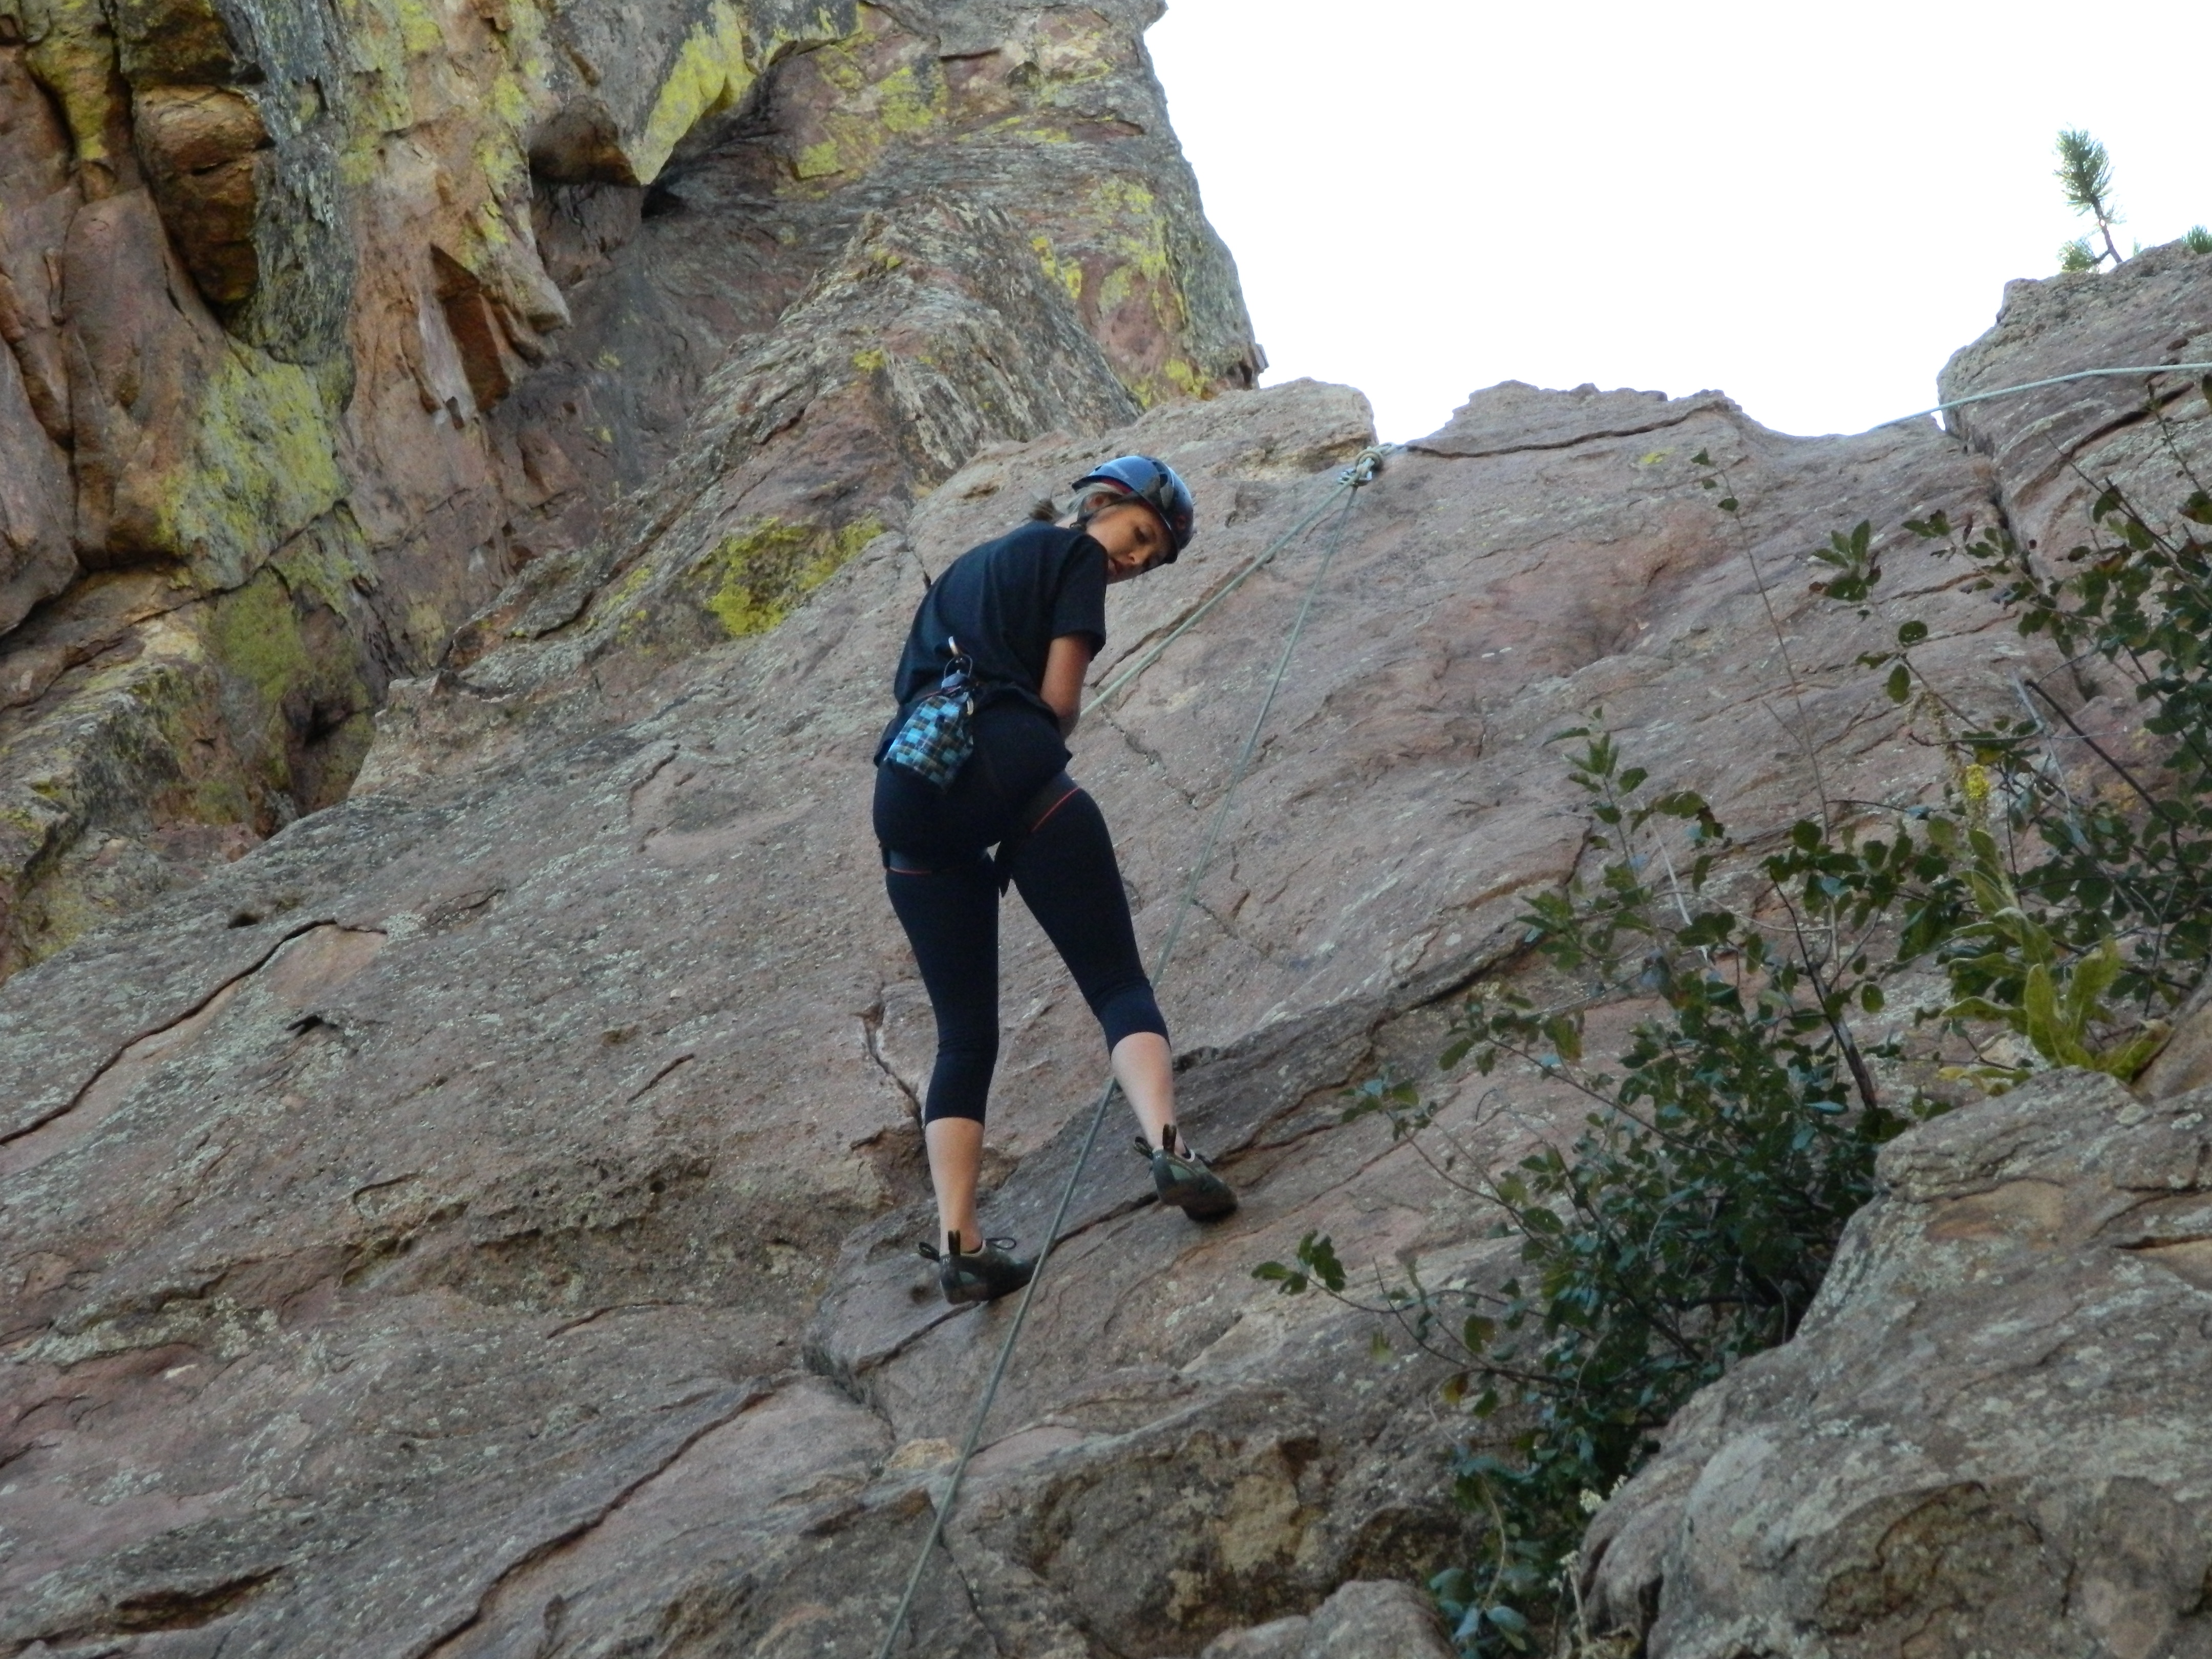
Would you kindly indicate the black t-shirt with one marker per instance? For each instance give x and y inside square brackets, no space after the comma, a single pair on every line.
[1005,602]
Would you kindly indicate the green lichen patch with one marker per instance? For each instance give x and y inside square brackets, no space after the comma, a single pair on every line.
[754,578]
[73,54]
[253,639]
[262,467]
[864,96]
[1068,273]
[711,72]
[296,698]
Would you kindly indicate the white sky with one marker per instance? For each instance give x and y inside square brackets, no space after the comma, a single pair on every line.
[1809,207]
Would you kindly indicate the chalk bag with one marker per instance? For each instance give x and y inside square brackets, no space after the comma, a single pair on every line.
[934,741]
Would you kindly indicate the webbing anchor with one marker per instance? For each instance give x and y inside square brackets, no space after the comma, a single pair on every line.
[1365,467]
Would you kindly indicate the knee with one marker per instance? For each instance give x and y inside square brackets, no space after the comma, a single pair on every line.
[969,1040]
[1127,1010]
[957,1111]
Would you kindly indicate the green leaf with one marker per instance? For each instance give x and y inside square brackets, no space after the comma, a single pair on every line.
[1706,929]
[1317,1256]
[1913,633]
[1512,1623]
[1566,1036]
[1899,684]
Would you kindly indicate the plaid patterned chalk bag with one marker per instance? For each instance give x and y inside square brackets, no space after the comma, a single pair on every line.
[940,735]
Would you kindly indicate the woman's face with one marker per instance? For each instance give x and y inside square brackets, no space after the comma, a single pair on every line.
[1134,538]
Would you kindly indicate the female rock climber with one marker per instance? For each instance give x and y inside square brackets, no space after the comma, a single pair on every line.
[1028,612]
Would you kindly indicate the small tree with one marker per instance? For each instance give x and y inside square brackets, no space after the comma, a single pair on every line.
[2085,172]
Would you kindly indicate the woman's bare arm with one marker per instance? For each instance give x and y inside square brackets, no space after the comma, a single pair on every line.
[1064,669]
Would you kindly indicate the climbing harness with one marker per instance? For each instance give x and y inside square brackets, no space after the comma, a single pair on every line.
[1360,473]
[1349,482]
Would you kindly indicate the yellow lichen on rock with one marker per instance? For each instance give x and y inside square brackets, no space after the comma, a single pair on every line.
[254,635]
[870,104]
[263,467]
[1068,273]
[420,31]
[712,71]
[755,577]
[73,54]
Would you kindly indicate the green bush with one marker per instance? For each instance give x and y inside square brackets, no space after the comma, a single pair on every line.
[1692,1217]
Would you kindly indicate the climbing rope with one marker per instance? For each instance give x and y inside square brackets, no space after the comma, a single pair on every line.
[2056,379]
[1349,482]
[1360,473]
[1127,677]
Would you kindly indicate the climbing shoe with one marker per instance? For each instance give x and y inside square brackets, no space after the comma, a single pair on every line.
[1184,1180]
[983,1275]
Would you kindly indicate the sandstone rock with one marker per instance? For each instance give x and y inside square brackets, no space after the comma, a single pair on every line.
[36,558]
[37,198]
[1512,415]
[202,148]
[931,336]
[2185,1062]
[309,275]
[479,1220]
[1048,117]
[1988,1436]
[542,1132]
[1362,1620]
[2055,448]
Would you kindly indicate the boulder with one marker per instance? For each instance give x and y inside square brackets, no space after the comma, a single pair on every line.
[1364,1619]
[489,1207]
[1988,1437]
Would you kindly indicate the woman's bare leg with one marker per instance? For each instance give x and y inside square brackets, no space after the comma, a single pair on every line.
[1145,1066]
[955,1157]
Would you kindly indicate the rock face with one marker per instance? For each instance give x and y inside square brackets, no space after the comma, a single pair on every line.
[325,322]
[1987,1436]
[481,1219]
[478,1220]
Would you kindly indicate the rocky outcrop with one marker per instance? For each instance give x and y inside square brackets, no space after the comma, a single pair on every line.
[1988,1435]
[506,1180]
[2055,448]
[478,1219]
[1985,1438]
[322,325]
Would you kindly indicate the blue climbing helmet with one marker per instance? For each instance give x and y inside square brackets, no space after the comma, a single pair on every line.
[1157,486]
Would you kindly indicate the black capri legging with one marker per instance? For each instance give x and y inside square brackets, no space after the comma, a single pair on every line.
[945,890]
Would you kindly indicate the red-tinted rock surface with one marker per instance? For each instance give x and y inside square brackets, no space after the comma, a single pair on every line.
[507,1180]
[479,1220]
[1988,1437]
[325,323]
